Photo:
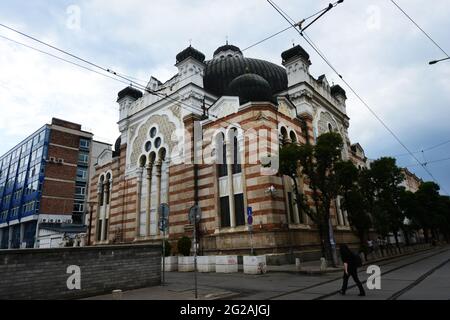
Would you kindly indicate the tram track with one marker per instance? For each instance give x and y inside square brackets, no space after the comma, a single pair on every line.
[389,262]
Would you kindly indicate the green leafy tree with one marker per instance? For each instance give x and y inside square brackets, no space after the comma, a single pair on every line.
[184,246]
[428,206]
[444,216]
[357,192]
[388,215]
[318,165]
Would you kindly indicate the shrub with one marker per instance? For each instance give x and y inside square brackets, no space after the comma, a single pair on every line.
[168,249]
[184,246]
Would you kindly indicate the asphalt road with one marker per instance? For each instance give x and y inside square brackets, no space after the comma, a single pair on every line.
[424,275]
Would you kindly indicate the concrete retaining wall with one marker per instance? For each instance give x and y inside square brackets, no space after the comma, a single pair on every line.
[42,273]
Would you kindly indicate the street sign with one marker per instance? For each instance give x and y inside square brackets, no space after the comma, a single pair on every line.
[250,216]
[163,225]
[164,210]
[195,214]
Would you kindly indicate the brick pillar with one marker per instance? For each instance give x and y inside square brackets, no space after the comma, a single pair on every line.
[158,193]
[149,198]
[97,218]
[138,203]
[188,173]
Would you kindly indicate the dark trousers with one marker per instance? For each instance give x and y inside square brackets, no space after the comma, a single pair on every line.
[354,274]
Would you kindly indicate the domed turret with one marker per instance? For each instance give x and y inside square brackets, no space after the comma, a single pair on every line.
[190,52]
[117,145]
[129,92]
[227,50]
[250,87]
[295,52]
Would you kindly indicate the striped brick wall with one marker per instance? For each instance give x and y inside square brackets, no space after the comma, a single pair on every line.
[270,212]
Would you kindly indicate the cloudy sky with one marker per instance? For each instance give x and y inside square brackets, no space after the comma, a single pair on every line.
[377,50]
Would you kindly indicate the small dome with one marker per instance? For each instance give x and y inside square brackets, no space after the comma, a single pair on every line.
[129,92]
[227,47]
[296,51]
[190,52]
[117,145]
[220,72]
[250,87]
[337,90]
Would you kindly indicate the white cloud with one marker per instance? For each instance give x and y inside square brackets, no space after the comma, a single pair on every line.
[370,42]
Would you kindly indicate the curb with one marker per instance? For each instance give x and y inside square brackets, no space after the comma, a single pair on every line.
[334,270]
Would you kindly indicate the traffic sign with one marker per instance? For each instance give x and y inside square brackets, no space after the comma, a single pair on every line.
[249,215]
[195,214]
[164,210]
[163,224]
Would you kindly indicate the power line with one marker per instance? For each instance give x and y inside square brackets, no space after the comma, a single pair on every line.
[423,31]
[261,41]
[120,76]
[428,162]
[355,93]
[424,150]
[61,59]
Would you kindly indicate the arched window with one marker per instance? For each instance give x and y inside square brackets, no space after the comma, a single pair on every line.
[330,127]
[236,165]
[293,137]
[284,136]
[221,155]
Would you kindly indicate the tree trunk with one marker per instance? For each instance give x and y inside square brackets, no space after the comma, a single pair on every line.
[297,195]
[396,239]
[425,235]
[406,235]
[362,242]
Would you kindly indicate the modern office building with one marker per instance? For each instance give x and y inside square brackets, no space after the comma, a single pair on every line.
[44,184]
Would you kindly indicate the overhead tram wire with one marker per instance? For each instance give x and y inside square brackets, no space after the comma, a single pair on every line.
[261,41]
[125,77]
[62,59]
[129,81]
[429,162]
[423,150]
[423,31]
[119,78]
[355,93]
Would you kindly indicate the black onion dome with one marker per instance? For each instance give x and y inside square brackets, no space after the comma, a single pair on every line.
[117,145]
[220,72]
[190,52]
[296,51]
[250,87]
[336,90]
[129,92]
[227,47]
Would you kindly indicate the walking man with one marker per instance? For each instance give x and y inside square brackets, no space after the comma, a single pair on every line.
[351,264]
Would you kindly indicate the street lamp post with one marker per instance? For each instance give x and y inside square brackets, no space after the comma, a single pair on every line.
[436,61]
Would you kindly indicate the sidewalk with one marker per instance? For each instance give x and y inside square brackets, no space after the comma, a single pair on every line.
[313,267]
[310,267]
[168,292]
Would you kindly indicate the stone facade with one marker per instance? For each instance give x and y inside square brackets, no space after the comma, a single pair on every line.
[168,152]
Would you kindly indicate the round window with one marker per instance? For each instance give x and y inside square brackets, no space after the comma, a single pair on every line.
[158,142]
[148,146]
[153,132]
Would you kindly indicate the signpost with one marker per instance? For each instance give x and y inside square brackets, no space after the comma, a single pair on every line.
[250,226]
[163,226]
[195,215]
